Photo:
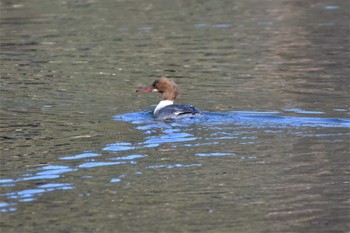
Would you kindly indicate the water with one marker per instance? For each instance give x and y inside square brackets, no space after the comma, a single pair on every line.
[80,151]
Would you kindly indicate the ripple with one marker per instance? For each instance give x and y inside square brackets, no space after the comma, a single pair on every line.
[298,110]
[55,170]
[330,7]
[7,207]
[6,180]
[200,25]
[102,164]
[170,166]
[222,26]
[215,154]
[247,119]
[50,172]
[30,194]
[173,137]
[136,117]
[240,127]
[145,29]
[80,156]
[117,179]
[119,146]
[129,157]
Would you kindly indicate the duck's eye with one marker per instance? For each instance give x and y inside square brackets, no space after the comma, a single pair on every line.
[155,85]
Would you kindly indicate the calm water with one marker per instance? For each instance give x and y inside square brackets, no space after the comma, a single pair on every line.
[80,151]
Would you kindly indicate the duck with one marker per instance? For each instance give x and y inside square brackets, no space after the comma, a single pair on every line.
[166,109]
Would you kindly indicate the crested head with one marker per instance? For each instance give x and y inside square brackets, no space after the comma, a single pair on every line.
[167,87]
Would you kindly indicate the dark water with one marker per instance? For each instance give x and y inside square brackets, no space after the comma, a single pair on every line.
[80,151]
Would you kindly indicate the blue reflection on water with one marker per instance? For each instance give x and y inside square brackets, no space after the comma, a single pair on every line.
[298,110]
[55,170]
[6,180]
[241,127]
[215,154]
[80,156]
[222,26]
[7,207]
[50,172]
[268,120]
[200,25]
[170,166]
[29,195]
[331,7]
[102,164]
[129,157]
[145,29]
[119,146]
[171,137]
[218,26]
[117,179]
[246,119]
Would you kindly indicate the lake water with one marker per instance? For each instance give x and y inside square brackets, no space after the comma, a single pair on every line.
[81,152]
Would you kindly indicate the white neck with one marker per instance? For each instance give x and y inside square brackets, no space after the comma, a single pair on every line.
[162,104]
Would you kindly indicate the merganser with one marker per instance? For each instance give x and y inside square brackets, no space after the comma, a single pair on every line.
[166,109]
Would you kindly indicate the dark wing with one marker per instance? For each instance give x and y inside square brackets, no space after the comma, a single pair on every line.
[178,111]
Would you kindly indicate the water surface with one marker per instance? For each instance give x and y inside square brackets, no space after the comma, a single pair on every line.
[81,152]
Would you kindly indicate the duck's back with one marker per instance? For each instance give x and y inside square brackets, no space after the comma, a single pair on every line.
[176,111]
